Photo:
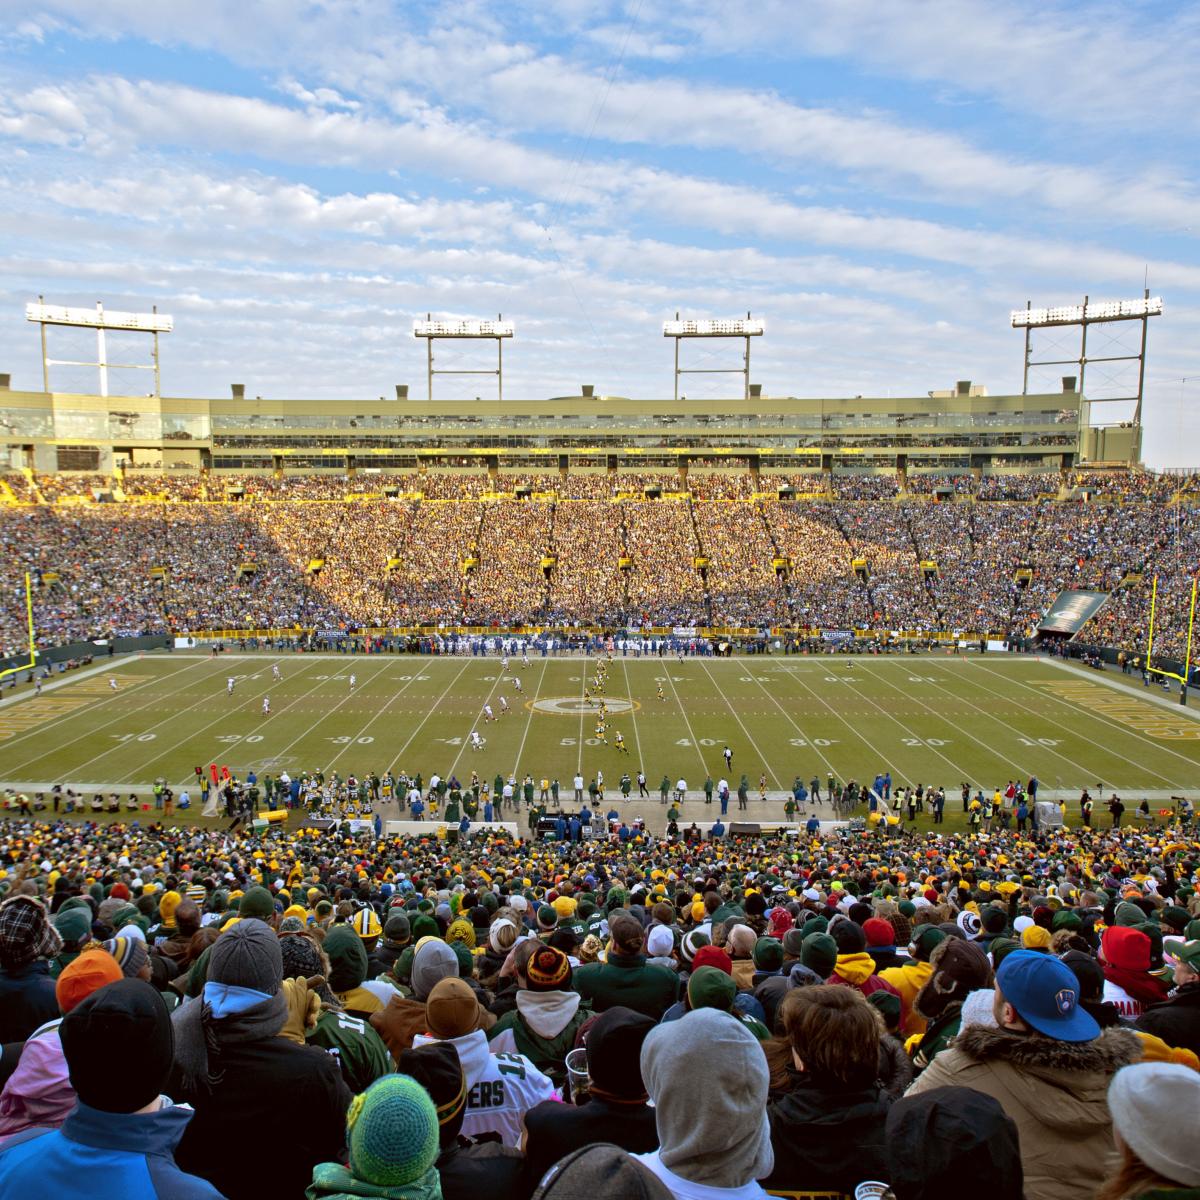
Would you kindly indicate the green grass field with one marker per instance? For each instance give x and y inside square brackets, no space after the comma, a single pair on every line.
[931,719]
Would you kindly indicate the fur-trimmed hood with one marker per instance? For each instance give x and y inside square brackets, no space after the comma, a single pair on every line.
[1044,1056]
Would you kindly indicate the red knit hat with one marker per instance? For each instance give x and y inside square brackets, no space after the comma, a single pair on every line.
[1126,948]
[879,932]
[712,956]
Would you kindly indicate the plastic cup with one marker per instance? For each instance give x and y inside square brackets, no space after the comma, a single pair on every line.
[578,1080]
[872,1189]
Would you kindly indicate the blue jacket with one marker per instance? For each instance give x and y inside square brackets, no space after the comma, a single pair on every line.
[102,1156]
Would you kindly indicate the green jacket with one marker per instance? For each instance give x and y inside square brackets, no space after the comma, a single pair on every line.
[548,1054]
[332,1181]
[627,980]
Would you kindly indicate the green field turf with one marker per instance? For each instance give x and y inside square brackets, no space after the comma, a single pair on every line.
[931,719]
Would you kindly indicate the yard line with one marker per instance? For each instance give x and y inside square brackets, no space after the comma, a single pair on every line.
[496,682]
[1088,772]
[582,711]
[92,732]
[792,723]
[633,712]
[436,705]
[992,750]
[1096,717]
[100,702]
[529,719]
[145,766]
[328,712]
[738,719]
[411,680]
[687,722]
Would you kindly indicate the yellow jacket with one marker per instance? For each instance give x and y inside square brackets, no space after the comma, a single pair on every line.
[908,980]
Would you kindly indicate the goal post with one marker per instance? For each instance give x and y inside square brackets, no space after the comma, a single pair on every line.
[1151,669]
[31,632]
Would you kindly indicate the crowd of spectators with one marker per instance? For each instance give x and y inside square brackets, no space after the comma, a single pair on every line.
[196,1013]
[104,569]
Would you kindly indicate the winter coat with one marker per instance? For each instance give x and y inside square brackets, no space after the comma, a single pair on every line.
[627,979]
[1176,1020]
[937,1037]
[743,973]
[1056,1093]
[39,1091]
[554,1130]
[402,1020]
[27,1000]
[332,1181]
[105,1156]
[908,980]
[542,1027]
[895,1067]
[827,1139]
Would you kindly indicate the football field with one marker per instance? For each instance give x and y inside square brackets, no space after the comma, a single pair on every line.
[937,720]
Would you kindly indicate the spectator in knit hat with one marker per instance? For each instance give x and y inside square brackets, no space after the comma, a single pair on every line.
[39,1092]
[500,1089]
[600,1170]
[710,987]
[131,957]
[347,956]
[959,968]
[827,1132]
[626,978]
[616,1110]
[1154,1107]
[941,1138]
[895,1067]
[708,1080]
[120,1139]
[854,967]
[229,1056]
[354,1045]
[1125,956]
[468,1167]
[881,943]
[1049,1065]
[403,1017]
[392,1134]
[819,954]
[740,942]
[547,1016]
[1177,1019]
[910,978]
[28,941]
[397,934]
[660,947]
[74,925]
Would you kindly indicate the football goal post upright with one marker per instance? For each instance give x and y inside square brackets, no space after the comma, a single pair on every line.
[1184,677]
[31,633]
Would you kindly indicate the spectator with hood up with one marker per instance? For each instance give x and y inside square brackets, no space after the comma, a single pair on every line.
[28,941]
[716,1149]
[959,968]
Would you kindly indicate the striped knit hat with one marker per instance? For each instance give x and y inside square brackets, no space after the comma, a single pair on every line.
[548,970]
[130,953]
[392,1131]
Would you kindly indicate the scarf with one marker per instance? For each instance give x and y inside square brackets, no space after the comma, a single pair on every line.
[1138,984]
[200,1035]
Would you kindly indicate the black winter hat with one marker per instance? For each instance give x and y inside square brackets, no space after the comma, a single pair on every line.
[119,1045]
[941,1137]
[614,1053]
[600,1170]
[849,937]
[437,1069]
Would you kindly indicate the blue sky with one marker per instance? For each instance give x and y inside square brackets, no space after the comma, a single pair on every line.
[295,182]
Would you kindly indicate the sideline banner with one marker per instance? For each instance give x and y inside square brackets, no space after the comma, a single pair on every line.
[1071,611]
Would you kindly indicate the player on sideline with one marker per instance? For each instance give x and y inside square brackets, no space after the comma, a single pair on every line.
[266,706]
[275,673]
[477,742]
[488,715]
[503,706]
[229,686]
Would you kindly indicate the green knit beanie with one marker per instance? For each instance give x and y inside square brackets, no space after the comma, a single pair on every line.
[73,925]
[392,1131]
[710,987]
[1065,918]
[257,902]
[347,958]
[1128,914]
[424,926]
[819,954]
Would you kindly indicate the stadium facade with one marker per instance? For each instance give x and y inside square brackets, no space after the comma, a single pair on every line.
[960,429]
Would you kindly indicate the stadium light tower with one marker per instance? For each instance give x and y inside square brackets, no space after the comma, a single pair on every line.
[1085,315]
[152,323]
[739,328]
[472,329]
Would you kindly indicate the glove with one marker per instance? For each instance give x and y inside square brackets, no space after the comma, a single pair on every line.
[303,1007]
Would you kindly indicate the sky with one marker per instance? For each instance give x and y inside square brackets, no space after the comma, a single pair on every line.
[295,181]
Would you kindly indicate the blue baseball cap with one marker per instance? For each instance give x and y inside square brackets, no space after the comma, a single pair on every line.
[1045,993]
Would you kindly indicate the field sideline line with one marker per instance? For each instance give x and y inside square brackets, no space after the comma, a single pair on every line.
[92,732]
[396,696]
[438,704]
[109,664]
[1107,721]
[688,722]
[324,716]
[738,719]
[1147,694]
[991,749]
[1085,771]
[190,734]
[529,719]
[101,702]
